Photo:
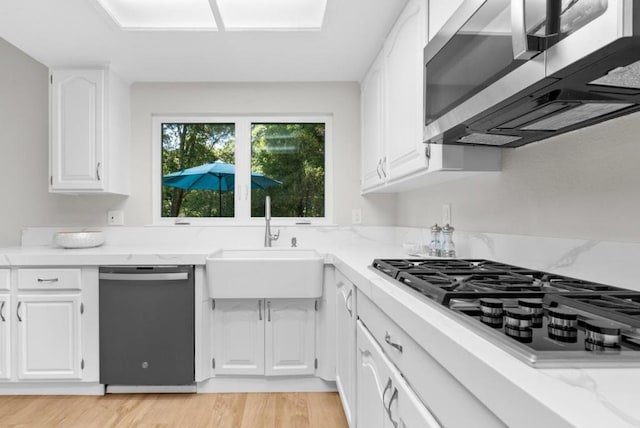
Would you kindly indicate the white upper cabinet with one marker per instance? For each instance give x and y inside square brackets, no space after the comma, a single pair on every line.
[394,157]
[371,111]
[89,131]
[405,151]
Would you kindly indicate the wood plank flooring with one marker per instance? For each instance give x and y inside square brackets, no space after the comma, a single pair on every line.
[254,410]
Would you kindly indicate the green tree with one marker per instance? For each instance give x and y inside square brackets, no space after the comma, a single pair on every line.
[293,153]
[185,145]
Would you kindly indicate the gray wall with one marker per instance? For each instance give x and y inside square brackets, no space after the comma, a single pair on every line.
[24,156]
[584,184]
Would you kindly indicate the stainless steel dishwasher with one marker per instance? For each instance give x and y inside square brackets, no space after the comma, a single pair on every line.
[147,328]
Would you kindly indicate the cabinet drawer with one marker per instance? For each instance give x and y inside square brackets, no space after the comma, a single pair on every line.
[49,279]
[5,277]
[433,384]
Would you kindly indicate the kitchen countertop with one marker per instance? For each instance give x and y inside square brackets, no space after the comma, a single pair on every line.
[579,396]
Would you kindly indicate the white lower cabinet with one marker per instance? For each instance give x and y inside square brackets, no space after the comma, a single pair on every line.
[46,333]
[273,337]
[5,336]
[238,337]
[49,336]
[383,397]
[346,345]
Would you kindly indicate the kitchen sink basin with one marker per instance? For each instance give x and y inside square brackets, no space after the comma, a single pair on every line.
[265,273]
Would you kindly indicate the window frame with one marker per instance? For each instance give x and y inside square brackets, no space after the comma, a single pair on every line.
[242,198]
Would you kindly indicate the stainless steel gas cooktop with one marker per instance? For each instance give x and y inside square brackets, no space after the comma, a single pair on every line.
[542,318]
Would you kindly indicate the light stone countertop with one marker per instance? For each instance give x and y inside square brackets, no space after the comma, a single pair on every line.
[582,397]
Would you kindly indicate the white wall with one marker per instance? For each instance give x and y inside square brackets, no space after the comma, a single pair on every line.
[341,100]
[24,169]
[584,184]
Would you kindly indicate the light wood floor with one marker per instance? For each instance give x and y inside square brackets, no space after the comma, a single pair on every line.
[273,410]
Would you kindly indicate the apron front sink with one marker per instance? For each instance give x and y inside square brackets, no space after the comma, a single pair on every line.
[265,273]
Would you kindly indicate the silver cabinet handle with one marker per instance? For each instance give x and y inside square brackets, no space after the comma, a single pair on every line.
[98,170]
[18,311]
[378,168]
[384,162]
[387,338]
[48,279]
[268,311]
[2,310]
[348,303]
[259,310]
[394,396]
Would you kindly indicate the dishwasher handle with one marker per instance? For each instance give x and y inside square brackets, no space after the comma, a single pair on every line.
[177,276]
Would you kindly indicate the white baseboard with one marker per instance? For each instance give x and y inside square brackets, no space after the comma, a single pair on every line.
[265,384]
[57,388]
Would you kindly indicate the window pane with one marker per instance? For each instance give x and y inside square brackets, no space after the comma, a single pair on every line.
[287,163]
[198,172]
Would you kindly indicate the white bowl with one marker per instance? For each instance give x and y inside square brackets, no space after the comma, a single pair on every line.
[86,239]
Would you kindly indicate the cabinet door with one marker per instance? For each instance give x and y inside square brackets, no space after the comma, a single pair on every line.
[238,342]
[49,336]
[404,149]
[290,337]
[405,408]
[5,336]
[77,129]
[374,382]
[346,344]
[371,113]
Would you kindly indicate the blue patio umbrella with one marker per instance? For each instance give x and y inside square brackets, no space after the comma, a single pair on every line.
[216,175]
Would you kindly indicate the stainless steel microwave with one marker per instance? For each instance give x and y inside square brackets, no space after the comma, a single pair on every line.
[510,72]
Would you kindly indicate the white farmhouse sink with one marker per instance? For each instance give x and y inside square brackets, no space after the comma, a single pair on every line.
[265,273]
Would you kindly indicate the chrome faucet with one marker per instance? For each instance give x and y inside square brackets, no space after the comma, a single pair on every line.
[268,237]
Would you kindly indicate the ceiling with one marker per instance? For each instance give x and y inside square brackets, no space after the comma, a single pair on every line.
[67,33]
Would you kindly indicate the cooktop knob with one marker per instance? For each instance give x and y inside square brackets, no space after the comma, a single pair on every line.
[518,318]
[563,318]
[534,307]
[491,307]
[602,333]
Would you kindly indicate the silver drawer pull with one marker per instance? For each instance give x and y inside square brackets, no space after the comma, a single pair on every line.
[18,312]
[259,310]
[48,279]
[387,338]
[2,310]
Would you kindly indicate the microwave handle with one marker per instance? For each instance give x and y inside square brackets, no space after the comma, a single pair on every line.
[527,46]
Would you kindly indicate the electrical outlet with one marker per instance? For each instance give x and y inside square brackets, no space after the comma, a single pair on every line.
[356,216]
[446,214]
[115,217]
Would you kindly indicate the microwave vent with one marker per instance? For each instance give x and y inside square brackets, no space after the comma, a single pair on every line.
[488,139]
[575,115]
[621,77]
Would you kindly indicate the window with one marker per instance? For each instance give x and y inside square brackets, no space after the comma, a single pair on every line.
[292,153]
[216,170]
